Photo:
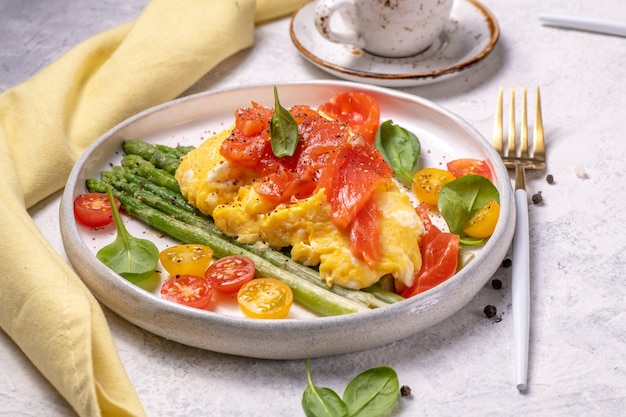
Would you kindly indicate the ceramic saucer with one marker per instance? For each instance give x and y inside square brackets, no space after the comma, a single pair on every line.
[468,38]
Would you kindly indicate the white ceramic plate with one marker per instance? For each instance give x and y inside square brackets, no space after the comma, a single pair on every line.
[468,38]
[188,121]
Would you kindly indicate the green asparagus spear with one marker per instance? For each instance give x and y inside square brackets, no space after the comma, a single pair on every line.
[178,151]
[147,169]
[161,159]
[173,197]
[155,201]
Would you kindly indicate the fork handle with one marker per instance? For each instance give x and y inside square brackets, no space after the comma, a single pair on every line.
[521,288]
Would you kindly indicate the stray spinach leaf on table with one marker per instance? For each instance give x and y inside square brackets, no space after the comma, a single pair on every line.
[370,394]
[134,259]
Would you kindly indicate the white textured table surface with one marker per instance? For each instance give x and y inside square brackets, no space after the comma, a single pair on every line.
[464,365]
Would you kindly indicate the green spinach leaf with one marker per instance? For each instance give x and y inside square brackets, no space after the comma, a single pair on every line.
[320,401]
[372,392]
[283,130]
[134,259]
[400,148]
[459,199]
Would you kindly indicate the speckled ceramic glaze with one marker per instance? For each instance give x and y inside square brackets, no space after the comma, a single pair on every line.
[469,36]
[189,121]
[388,28]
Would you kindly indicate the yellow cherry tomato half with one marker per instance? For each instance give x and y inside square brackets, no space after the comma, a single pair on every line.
[428,183]
[482,224]
[265,298]
[187,259]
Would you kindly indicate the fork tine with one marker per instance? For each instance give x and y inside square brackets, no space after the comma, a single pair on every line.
[539,147]
[524,128]
[511,139]
[498,135]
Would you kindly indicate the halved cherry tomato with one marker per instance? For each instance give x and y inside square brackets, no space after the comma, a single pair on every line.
[482,224]
[469,166]
[265,298]
[440,256]
[94,209]
[428,183]
[190,259]
[229,273]
[359,110]
[188,290]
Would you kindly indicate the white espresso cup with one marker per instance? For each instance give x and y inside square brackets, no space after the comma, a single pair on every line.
[387,28]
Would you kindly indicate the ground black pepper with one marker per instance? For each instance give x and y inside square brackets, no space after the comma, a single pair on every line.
[490,311]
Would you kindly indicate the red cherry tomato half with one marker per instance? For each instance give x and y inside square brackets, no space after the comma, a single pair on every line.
[188,290]
[469,166]
[359,110]
[94,209]
[229,273]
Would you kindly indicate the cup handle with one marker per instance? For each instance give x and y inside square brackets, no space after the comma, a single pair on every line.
[326,11]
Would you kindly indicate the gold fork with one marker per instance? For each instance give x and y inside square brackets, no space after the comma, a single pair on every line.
[517,156]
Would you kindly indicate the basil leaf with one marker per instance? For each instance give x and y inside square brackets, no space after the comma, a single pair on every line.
[283,130]
[460,198]
[134,259]
[372,392]
[400,148]
[320,401]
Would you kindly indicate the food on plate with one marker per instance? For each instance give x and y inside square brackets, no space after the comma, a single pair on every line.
[483,222]
[265,298]
[428,183]
[440,256]
[94,209]
[189,290]
[187,259]
[359,110]
[468,166]
[325,203]
[309,291]
[401,149]
[229,273]
[470,203]
[133,258]
[299,196]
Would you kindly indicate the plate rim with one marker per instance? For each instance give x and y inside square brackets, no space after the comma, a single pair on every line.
[75,248]
[401,79]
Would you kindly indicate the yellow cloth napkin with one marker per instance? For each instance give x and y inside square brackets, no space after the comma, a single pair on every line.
[45,124]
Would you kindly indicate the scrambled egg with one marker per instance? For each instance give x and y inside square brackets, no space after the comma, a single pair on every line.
[208,182]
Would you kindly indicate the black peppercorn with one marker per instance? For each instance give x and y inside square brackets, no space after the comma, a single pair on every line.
[537,198]
[507,263]
[550,179]
[490,311]
[496,283]
[405,390]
